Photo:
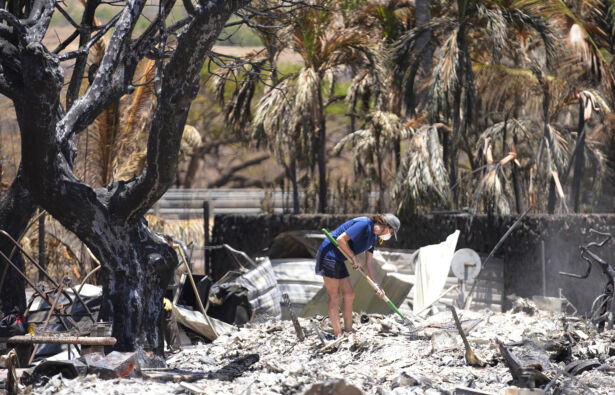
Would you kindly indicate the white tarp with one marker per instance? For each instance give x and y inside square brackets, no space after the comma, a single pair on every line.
[432,268]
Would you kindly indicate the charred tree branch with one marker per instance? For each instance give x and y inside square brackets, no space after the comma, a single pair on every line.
[179,87]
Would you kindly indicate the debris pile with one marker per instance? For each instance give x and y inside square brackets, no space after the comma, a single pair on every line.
[383,355]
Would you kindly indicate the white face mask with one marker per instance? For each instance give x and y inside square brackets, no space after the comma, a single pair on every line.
[385,237]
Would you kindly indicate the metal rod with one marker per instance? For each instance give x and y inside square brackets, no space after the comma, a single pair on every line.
[6,268]
[85,306]
[544,268]
[41,245]
[38,291]
[196,292]
[508,232]
[207,252]
[48,339]
[53,307]
[97,268]
[41,270]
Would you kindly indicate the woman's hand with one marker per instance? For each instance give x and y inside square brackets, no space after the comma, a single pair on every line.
[379,292]
[356,264]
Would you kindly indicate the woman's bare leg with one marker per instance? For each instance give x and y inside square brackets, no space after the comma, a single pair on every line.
[348,296]
[333,292]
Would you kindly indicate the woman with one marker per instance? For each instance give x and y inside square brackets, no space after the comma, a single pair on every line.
[354,237]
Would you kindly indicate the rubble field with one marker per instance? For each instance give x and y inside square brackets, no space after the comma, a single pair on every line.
[384,355]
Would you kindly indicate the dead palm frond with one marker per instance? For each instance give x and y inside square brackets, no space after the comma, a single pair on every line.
[444,76]
[237,109]
[492,187]
[370,86]
[381,128]
[422,180]
[557,148]
[115,145]
[135,163]
[599,162]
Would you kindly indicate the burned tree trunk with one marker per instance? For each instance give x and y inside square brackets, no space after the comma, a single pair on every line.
[136,263]
[138,268]
[16,209]
[578,156]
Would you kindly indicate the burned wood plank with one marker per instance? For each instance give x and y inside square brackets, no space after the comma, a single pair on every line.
[83,340]
[293,317]
[173,375]
[525,375]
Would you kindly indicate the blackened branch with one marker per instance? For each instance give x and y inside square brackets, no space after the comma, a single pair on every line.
[18,27]
[99,91]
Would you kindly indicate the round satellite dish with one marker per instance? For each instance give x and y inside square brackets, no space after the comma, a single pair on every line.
[466,264]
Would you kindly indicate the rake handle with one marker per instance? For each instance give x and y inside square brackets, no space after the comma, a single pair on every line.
[360,270]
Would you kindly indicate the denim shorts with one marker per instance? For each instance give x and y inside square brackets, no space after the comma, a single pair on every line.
[330,268]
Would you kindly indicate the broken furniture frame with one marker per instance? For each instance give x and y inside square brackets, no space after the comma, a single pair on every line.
[59,289]
[603,309]
[60,310]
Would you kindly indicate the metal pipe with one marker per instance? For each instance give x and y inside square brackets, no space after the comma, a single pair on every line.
[207,253]
[53,307]
[41,245]
[6,268]
[41,270]
[38,291]
[544,268]
[196,292]
[499,243]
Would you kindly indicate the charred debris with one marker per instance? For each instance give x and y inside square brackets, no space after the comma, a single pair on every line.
[259,330]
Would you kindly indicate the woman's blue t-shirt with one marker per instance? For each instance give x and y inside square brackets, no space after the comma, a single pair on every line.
[362,238]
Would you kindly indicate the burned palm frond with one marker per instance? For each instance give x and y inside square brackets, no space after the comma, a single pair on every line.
[448,62]
[444,76]
[514,84]
[369,85]
[525,15]
[243,74]
[496,27]
[498,128]
[142,98]
[599,162]
[273,119]
[191,139]
[380,128]
[218,83]
[422,180]
[405,47]
[133,166]
[557,148]
[492,189]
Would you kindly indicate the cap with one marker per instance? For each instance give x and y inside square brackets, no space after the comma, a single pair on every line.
[393,222]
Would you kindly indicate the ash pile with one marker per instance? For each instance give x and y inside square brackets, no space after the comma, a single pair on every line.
[516,351]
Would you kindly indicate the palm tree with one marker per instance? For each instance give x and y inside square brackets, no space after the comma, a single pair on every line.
[372,142]
[291,117]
